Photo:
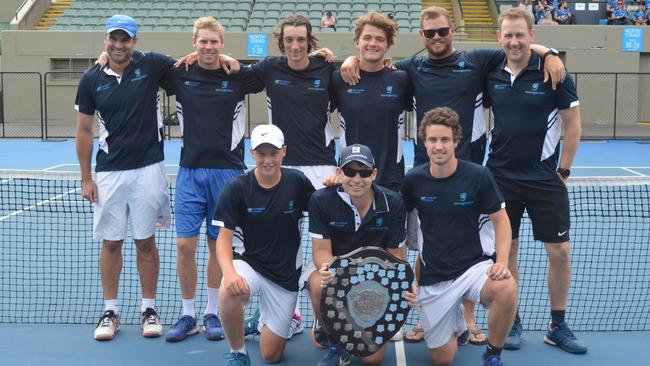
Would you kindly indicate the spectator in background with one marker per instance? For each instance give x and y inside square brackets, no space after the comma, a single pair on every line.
[563,15]
[328,21]
[543,13]
[620,16]
[609,10]
[641,15]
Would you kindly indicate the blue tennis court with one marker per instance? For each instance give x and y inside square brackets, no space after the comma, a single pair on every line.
[52,296]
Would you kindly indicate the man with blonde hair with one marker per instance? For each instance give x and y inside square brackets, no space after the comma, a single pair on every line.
[212,114]
[526,162]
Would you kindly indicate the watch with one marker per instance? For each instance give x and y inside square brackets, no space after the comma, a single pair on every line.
[551,51]
[564,172]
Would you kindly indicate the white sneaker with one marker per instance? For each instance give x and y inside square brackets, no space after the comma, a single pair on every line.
[108,325]
[150,322]
[398,336]
[295,327]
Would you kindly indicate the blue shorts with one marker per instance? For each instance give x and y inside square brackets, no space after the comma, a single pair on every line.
[197,192]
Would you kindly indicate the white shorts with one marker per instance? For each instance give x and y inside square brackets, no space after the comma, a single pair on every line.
[315,173]
[140,194]
[440,313]
[276,302]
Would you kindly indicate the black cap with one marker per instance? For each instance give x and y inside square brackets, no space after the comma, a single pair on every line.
[359,153]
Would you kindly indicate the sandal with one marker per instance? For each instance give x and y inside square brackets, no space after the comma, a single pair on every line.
[476,335]
[415,335]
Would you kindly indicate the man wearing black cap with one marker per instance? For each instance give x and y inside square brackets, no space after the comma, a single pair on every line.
[264,207]
[341,219]
[131,182]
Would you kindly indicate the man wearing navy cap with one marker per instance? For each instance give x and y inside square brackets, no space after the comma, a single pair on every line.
[262,208]
[130,175]
[344,218]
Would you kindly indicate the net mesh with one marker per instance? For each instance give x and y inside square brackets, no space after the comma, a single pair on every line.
[50,274]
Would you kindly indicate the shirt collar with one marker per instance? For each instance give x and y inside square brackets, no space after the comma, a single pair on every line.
[379,203]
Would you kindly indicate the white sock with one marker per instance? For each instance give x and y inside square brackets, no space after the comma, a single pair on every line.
[241,350]
[188,307]
[111,305]
[147,303]
[213,301]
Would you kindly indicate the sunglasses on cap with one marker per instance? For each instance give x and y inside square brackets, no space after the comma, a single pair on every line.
[430,33]
[351,172]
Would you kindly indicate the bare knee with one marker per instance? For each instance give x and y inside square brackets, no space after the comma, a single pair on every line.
[113,246]
[186,246]
[559,253]
[146,246]
[272,356]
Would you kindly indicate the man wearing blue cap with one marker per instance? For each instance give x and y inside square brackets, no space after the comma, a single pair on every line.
[130,174]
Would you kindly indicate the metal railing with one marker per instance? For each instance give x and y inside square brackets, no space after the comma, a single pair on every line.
[32,105]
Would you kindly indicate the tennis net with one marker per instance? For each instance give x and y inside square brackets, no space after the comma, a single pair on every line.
[49,268]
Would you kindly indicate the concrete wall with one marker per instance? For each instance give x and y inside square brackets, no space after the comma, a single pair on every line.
[8,9]
[592,49]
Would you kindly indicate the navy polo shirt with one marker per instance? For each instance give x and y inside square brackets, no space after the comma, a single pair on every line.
[449,210]
[298,103]
[372,113]
[268,220]
[130,125]
[333,216]
[455,82]
[525,142]
[212,113]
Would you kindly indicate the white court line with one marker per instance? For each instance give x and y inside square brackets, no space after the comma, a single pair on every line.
[400,355]
[634,172]
[38,204]
[54,167]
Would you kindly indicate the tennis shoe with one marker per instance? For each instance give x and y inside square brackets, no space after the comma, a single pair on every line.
[212,327]
[335,356]
[150,322]
[513,340]
[108,325]
[561,336]
[492,361]
[295,327]
[319,337]
[237,359]
[250,324]
[185,326]
[463,338]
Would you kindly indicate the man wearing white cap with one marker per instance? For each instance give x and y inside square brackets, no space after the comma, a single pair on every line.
[130,181]
[264,206]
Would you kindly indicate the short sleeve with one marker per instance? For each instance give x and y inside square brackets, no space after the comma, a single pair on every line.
[85,99]
[229,206]
[566,94]
[397,229]
[317,219]
[251,82]
[491,199]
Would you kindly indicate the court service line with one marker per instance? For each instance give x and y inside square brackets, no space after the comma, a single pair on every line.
[27,208]
[400,355]
[632,171]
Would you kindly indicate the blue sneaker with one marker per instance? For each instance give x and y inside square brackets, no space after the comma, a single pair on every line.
[336,356]
[250,324]
[185,326]
[492,361]
[237,359]
[212,327]
[513,341]
[563,337]
[463,339]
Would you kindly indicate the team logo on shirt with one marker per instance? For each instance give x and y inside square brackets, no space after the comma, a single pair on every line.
[137,75]
[282,82]
[191,83]
[223,88]
[316,86]
[337,223]
[389,92]
[463,200]
[534,90]
[379,224]
[461,67]
[501,86]
[356,91]
[255,210]
[290,208]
